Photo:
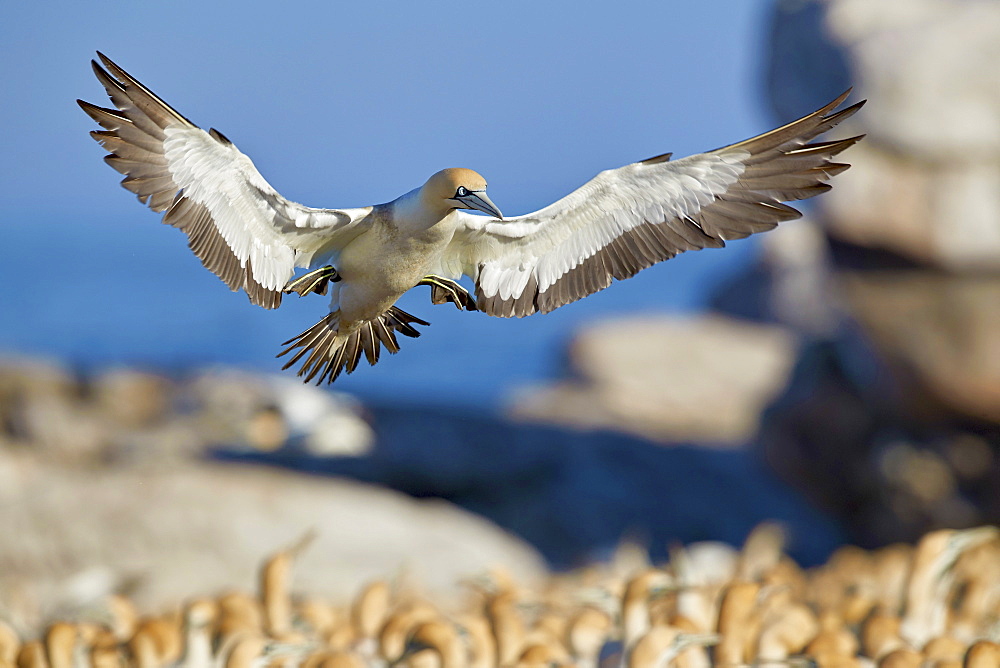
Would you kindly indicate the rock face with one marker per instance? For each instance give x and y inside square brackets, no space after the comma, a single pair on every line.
[699,379]
[891,419]
[926,181]
[167,534]
[942,332]
[924,184]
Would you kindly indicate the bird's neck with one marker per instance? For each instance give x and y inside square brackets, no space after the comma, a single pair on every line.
[416,211]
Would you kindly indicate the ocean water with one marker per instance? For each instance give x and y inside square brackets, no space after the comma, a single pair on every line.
[96,292]
[91,277]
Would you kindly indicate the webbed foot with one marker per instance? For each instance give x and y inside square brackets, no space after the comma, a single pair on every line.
[446,290]
[316,281]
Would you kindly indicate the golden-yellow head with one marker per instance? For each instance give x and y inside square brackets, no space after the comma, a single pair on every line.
[459,188]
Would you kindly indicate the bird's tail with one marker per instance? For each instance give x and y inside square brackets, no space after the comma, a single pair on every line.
[331,352]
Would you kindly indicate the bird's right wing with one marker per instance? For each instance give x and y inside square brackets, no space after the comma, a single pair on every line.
[237,224]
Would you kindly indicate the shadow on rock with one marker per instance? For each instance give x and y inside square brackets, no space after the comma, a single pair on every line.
[888,425]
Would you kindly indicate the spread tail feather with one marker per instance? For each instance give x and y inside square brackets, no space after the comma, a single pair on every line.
[329,352]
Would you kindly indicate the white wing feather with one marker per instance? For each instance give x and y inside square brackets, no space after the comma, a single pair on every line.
[629,218]
[237,224]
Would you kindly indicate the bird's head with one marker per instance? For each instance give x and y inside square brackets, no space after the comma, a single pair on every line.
[458,188]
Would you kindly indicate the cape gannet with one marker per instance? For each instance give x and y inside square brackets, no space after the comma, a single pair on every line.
[619,222]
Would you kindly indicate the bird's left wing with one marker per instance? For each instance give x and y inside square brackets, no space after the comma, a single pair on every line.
[237,224]
[629,218]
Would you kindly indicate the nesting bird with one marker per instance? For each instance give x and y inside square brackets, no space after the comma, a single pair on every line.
[621,221]
[759,620]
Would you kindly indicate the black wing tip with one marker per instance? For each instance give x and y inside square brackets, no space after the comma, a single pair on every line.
[840,98]
[845,144]
[829,113]
[656,159]
[126,81]
[101,72]
[111,69]
[108,63]
[95,111]
[114,71]
[219,137]
[845,113]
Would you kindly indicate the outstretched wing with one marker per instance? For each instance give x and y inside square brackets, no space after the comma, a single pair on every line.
[237,224]
[627,219]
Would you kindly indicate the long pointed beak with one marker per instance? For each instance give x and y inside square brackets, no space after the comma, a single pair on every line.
[480,201]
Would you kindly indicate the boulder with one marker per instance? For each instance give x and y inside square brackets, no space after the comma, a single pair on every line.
[923,191]
[163,535]
[670,379]
[926,181]
[938,333]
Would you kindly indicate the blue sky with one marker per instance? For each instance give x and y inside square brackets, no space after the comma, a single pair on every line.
[348,104]
[345,104]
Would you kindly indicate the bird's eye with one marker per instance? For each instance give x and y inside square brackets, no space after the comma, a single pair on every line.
[461,192]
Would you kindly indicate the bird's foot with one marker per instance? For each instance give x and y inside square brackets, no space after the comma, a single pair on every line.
[315,281]
[446,290]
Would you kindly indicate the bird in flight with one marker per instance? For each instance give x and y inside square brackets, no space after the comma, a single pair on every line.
[621,221]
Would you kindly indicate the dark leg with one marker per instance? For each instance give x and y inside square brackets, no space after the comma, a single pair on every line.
[315,281]
[446,290]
